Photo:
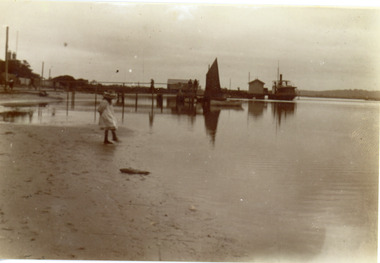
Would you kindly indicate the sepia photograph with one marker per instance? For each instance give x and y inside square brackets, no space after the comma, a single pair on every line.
[189,131]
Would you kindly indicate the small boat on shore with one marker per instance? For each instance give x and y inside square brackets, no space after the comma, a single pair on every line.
[282,90]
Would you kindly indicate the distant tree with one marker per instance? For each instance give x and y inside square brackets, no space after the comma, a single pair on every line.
[19,68]
[82,81]
[70,81]
[64,78]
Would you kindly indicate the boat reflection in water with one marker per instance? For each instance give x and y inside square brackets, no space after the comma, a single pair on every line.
[210,114]
[282,110]
[211,122]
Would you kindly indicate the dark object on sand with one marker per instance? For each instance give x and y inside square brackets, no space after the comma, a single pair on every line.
[133,171]
[43,93]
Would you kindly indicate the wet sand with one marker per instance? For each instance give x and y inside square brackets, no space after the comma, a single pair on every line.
[62,196]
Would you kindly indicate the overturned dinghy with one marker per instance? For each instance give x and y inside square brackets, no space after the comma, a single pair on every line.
[133,171]
[43,93]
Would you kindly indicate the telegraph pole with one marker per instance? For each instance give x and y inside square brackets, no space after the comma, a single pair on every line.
[6,58]
[16,41]
[42,70]
[42,74]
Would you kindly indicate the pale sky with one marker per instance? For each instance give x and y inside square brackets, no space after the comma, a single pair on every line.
[317,48]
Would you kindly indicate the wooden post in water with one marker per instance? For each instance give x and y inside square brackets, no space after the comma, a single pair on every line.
[72,97]
[152,90]
[67,101]
[152,103]
[42,76]
[136,101]
[6,58]
[122,99]
[96,101]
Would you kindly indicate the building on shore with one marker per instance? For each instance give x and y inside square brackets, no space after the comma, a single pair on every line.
[256,88]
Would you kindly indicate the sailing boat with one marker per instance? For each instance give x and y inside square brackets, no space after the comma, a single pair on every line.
[213,91]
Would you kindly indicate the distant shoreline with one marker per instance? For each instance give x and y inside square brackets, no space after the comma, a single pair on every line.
[60,95]
[342,94]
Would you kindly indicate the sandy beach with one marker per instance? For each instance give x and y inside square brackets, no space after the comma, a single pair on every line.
[62,196]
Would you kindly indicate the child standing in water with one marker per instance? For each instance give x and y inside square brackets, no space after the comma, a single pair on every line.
[107,120]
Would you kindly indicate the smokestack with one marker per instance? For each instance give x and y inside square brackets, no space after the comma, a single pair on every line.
[280,78]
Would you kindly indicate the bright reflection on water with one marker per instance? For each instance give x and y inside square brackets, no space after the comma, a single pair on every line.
[283,181]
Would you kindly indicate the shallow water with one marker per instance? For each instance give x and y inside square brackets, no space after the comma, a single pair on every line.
[285,181]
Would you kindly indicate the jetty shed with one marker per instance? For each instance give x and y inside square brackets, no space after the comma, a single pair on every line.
[256,88]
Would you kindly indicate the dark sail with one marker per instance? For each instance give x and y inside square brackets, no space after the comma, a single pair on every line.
[213,89]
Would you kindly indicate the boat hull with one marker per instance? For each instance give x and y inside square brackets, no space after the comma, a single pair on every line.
[282,96]
[282,90]
[225,103]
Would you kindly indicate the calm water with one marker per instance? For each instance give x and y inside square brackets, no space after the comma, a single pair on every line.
[290,181]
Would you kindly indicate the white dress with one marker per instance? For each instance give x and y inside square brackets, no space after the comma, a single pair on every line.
[107,118]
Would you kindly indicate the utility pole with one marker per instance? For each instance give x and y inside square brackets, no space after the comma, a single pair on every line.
[16,42]
[42,71]
[6,57]
[42,74]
